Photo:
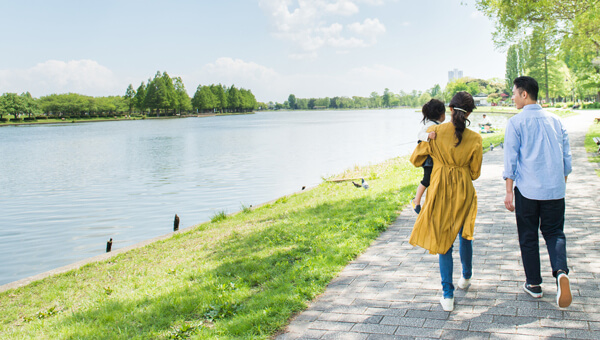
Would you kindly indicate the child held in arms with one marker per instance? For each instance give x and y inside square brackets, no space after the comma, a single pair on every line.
[434,112]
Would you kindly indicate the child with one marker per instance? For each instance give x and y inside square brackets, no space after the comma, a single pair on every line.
[434,112]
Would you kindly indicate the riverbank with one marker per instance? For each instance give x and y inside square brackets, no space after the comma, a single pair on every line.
[116,118]
[245,275]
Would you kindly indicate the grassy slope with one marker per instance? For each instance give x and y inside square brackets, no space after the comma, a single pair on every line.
[242,277]
[591,147]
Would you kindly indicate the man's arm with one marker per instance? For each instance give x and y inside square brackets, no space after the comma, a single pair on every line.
[511,151]
[509,198]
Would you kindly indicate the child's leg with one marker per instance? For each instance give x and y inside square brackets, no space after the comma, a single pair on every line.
[424,184]
[420,190]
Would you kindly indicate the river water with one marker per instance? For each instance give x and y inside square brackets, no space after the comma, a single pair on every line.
[65,189]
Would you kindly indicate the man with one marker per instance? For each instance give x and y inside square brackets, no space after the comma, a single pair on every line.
[537,159]
[485,121]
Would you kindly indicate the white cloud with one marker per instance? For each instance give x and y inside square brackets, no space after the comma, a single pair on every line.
[86,77]
[315,24]
[342,7]
[234,68]
[262,81]
[370,28]
[268,84]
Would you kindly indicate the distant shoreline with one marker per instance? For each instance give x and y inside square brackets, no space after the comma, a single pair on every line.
[94,120]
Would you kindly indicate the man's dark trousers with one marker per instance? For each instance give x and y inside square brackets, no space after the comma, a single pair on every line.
[549,217]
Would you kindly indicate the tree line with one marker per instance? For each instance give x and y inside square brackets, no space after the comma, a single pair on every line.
[492,89]
[557,42]
[161,95]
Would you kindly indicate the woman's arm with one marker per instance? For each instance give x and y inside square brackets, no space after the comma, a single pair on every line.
[476,160]
[420,154]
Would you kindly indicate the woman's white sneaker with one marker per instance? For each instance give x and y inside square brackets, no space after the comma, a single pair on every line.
[464,283]
[447,304]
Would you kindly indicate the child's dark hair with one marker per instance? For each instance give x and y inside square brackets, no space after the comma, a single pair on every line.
[433,110]
[462,103]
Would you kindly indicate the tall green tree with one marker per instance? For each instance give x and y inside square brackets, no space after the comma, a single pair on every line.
[234,99]
[512,67]
[204,99]
[140,97]
[374,100]
[576,27]
[12,104]
[292,102]
[182,99]
[220,95]
[129,97]
[30,105]
[167,95]
[386,98]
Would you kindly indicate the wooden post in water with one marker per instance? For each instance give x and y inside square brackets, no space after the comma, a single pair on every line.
[176,223]
[109,245]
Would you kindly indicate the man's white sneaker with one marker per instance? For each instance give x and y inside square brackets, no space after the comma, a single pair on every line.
[447,304]
[464,283]
[563,296]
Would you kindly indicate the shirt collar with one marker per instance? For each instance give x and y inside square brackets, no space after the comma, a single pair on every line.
[532,107]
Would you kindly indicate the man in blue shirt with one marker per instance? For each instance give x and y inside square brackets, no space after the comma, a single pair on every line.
[537,161]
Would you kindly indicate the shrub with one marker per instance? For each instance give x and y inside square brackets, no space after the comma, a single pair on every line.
[29,119]
[218,216]
[16,120]
[4,120]
[41,117]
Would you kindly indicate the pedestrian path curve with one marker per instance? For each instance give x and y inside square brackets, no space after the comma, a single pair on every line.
[392,290]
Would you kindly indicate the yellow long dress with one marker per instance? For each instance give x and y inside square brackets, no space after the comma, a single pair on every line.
[451,200]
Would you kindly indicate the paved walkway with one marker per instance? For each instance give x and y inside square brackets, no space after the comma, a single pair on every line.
[392,291]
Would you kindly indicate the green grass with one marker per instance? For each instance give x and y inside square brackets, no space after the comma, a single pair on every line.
[238,278]
[563,112]
[590,146]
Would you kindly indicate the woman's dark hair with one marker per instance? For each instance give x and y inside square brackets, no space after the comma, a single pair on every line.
[528,84]
[433,110]
[463,101]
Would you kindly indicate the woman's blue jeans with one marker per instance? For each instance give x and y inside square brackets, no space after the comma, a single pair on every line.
[446,265]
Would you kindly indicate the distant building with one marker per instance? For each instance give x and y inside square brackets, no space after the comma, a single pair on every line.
[454,74]
[481,100]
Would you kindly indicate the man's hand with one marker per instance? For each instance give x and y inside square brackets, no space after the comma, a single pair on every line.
[432,135]
[508,202]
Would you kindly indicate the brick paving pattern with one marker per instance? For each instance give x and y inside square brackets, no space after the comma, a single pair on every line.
[392,291]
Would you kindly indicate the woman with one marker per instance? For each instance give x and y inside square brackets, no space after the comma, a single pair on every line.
[451,204]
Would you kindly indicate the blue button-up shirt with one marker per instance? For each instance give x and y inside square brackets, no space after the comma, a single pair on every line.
[537,155]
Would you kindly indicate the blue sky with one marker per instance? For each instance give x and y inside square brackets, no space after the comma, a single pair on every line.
[312,48]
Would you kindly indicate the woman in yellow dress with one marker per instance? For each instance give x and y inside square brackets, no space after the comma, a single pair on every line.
[451,204]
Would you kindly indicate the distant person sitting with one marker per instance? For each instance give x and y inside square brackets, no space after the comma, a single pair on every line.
[485,121]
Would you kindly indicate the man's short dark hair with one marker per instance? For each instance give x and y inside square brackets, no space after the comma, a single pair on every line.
[529,85]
